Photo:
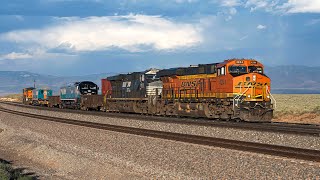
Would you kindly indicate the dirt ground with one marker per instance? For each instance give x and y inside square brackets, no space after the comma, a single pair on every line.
[305,118]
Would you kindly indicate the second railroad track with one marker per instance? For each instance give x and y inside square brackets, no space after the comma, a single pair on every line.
[274,150]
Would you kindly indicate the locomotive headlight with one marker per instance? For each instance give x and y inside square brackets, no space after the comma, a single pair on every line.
[254,77]
[268,97]
[249,96]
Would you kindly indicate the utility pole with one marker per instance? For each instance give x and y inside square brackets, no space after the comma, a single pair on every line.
[34,83]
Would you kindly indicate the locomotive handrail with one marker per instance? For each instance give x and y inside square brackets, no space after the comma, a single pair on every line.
[239,96]
[271,97]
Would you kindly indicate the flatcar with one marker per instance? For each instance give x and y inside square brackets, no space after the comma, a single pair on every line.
[70,94]
[40,96]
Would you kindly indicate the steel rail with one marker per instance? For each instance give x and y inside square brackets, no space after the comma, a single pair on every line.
[274,150]
[284,128]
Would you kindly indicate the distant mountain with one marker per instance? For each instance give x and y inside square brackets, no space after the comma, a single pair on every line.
[284,79]
[15,81]
[294,79]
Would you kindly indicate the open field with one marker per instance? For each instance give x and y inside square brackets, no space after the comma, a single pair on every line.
[12,97]
[297,108]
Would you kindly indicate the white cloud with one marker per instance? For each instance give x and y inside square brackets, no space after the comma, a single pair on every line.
[233,11]
[230,3]
[132,33]
[260,26]
[243,37]
[19,18]
[14,55]
[313,22]
[186,1]
[267,5]
[284,6]
[301,6]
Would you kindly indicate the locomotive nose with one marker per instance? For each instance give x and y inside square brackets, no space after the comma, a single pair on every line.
[252,87]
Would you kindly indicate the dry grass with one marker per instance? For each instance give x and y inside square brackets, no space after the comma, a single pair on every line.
[298,108]
[12,97]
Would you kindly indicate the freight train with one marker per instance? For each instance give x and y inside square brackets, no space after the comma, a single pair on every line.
[236,89]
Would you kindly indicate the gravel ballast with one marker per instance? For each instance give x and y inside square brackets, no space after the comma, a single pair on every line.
[72,152]
[291,140]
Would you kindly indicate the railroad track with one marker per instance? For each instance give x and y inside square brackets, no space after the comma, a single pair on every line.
[275,150]
[304,129]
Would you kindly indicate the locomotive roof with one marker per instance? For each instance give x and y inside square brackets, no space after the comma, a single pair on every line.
[128,76]
[29,88]
[191,70]
[77,83]
[42,89]
[232,60]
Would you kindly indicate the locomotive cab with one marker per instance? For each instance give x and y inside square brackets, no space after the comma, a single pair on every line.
[252,99]
[27,95]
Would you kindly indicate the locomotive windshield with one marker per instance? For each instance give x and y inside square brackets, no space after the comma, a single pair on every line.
[257,69]
[237,69]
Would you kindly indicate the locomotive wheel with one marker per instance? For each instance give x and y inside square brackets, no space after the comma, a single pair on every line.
[137,108]
[83,108]
[170,110]
[209,111]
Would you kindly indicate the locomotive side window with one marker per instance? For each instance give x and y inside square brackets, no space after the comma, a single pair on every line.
[213,69]
[222,71]
[63,91]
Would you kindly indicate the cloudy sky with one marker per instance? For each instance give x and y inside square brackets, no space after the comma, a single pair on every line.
[76,37]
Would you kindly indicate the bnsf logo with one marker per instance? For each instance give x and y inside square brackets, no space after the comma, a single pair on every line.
[248,84]
[189,84]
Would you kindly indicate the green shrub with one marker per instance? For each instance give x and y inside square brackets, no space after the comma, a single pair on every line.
[8,173]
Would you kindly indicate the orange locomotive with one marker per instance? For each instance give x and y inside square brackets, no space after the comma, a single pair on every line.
[234,89]
[27,95]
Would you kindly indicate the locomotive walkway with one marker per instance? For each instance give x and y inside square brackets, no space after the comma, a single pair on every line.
[275,150]
[285,128]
